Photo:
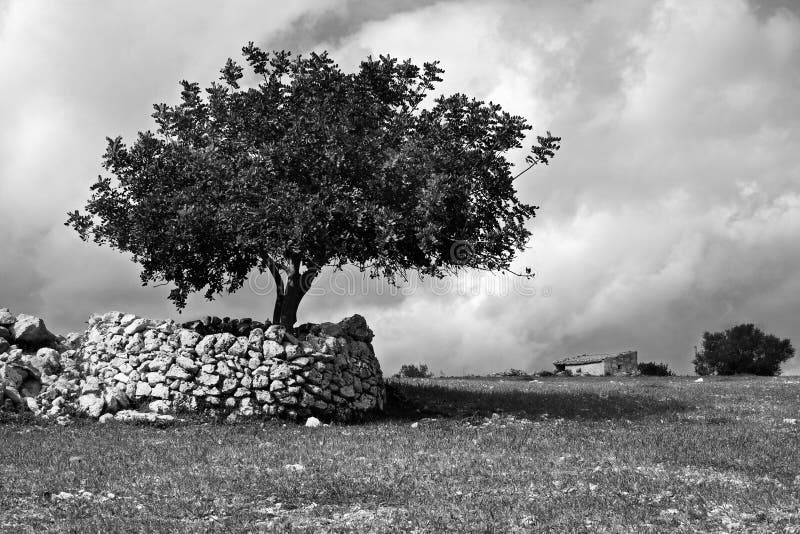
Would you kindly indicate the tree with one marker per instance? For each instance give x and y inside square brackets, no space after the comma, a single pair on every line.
[413,371]
[654,369]
[742,349]
[301,166]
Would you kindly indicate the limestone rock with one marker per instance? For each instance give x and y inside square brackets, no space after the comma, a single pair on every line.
[256,339]
[136,326]
[273,349]
[116,400]
[223,369]
[187,363]
[90,385]
[313,422]
[224,342]
[356,327]
[207,379]
[31,331]
[275,332]
[240,347]
[47,361]
[143,389]
[91,404]
[189,338]
[132,415]
[178,372]
[260,381]
[6,317]
[293,351]
[12,395]
[280,372]
[246,408]
[74,340]
[160,391]
[229,385]
[155,377]
[159,407]
[161,362]
[206,345]
[4,345]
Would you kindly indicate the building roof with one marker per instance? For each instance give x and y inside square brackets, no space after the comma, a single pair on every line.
[583,359]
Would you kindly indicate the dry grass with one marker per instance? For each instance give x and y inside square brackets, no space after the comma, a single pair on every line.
[567,455]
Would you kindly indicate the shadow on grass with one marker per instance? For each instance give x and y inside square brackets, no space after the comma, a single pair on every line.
[408,401]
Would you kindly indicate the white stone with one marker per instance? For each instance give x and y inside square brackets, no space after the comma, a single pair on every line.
[206,345]
[159,407]
[91,404]
[187,363]
[138,325]
[127,319]
[31,404]
[223,369]
[294,467]
[91,385]
[313,422]
[161,391]
[229,385]
[121,377]
[275,332]
[239,348]
[280,372]
[272,349]
[208,379]
[155,377]
[189,338]
[143,389]
[224,342]
[256,339]
[6,317]
[177,372]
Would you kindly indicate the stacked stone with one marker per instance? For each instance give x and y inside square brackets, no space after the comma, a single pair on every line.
[225,325]
[330,372]
[37,368]
[124,362]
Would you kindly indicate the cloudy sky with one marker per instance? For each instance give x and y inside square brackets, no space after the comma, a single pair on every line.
[672,208]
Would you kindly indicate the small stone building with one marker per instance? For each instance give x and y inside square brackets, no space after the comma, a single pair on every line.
[599,364]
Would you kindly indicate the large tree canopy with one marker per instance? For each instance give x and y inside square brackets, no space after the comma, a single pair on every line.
[299,166]
[742,349]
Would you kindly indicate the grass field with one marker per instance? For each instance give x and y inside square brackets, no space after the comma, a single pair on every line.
[558,455]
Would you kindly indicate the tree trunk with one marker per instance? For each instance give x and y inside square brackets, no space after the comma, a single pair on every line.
[289,296]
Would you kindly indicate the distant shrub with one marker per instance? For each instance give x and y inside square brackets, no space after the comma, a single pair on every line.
[654,369]
[545,373]
[742,349]
[512,373]
[414,371]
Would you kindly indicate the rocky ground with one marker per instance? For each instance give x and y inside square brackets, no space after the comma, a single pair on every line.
[617,455]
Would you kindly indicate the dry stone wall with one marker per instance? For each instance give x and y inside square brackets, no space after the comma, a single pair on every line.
[124,362]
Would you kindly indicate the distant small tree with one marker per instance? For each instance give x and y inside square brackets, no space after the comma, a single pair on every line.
[654,369]
[413,371]
[742,349]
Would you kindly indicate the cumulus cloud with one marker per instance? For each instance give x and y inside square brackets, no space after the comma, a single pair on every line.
[673,207]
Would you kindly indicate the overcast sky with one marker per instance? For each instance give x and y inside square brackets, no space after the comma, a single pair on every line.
[672,208]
